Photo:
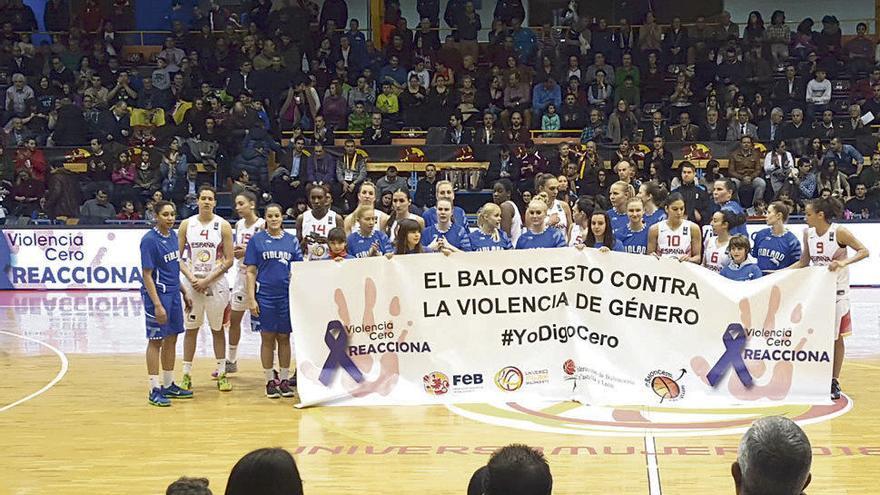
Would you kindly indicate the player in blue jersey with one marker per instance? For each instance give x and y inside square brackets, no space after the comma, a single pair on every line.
[409,238]
[268,257]
[161,292]
[619,193]
[489,236]
[776,247]
[537,235]
[445,235]
[742,266]
[722,193]
[600,235]
[444,190]
[652,195]
[365,240]
[634,235]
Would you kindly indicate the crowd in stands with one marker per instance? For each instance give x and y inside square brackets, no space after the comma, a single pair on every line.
[774,456]
[235,92]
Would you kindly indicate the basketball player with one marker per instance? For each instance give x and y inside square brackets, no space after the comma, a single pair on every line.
[207,248]
[489,236]
[675,237]
[511,220]
[825,244]
[268,257]
[580,225]
[367,197]
[722,193]
[558,211]
[313,225]
[600,236]
[446,236]
[401,202]
[538,236]
[161,294]
[634,235]
[776,247]
[444,190]
[715,250]
[245,228]
[366,240]
[619,193]
[651,194]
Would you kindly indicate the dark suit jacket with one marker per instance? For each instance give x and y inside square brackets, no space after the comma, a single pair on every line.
[782,96]
[494,171]
[679,133]
[764,131]
[467,136]
[651,133]
[371,136]
[109,125]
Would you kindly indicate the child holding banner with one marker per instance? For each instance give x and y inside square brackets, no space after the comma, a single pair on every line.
[268,257]
[825,244]
[742,266]
[538,236]
[600,236]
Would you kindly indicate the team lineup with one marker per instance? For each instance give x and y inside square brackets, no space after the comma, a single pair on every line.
[185,271]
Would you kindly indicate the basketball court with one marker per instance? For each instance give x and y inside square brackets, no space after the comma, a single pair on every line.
[74,419]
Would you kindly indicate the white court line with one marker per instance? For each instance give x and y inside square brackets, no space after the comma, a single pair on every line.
[58,377]
[652,465]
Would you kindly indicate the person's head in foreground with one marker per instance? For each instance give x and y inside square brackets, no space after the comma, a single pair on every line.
[513,470]
[774,459]
[189,486]
[265,472]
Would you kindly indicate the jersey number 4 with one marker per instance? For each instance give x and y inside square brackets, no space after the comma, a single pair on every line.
[204,233]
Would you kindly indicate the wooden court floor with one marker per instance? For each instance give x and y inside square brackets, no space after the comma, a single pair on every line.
[90,431]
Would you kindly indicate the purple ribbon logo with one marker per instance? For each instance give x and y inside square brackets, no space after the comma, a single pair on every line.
[734,342]
[337,357]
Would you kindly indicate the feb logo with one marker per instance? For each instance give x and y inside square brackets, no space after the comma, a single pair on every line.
[509,379]
[204,256]
[569,367]
[665,386]
[436,383]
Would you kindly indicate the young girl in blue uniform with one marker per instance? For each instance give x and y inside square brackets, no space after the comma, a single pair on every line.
[409,238]
[365,241]
[446,236]
[489,236]
[537,235]
[742,266]
[600,235]
[268,257]
[634,235]
[776,247]
[161,292]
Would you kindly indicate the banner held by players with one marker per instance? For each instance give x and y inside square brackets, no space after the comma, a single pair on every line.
[558,324]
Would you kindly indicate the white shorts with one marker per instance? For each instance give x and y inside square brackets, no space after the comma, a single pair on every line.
[239,292]
[213,303]
[842,318]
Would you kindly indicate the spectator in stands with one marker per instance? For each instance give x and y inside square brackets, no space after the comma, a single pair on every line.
[629,93]
[825,128]
[696,199]
[662,157]
[872,105]
[504,167]
[517,98]
[650,35]
[321,133]
[517,133]
[771,130]
[546,92]
[377,133]
[514,469]
[147,176]
[173,168]
[730,74]
[62,192]
[456,133]
[26,192]
[684,130]
[487,133]
[676,43]
[424,197]
[18,96]
[818,93]
[861,206]
[115,124]
[742,127]
[128,212]
[657,128]
[774,457]
[31,159]
[265,471]
[600,92]
[97,209]
[870,176]
[745,169]
[572,113]
[847,157]
[595,130]
[351,171]
[853,128]
[779,166]
[254,159]
[622,123]
[713,129]
[391,182]
[790,92]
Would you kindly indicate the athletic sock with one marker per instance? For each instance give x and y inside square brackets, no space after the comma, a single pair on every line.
[167,378]
[232,355]
[270,374]
[154,381]
[284,374]
[221,366]
[187,367]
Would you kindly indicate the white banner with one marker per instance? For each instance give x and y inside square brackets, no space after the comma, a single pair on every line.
[561,324]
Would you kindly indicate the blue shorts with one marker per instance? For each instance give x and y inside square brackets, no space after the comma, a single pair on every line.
[173,308]
[274,315]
